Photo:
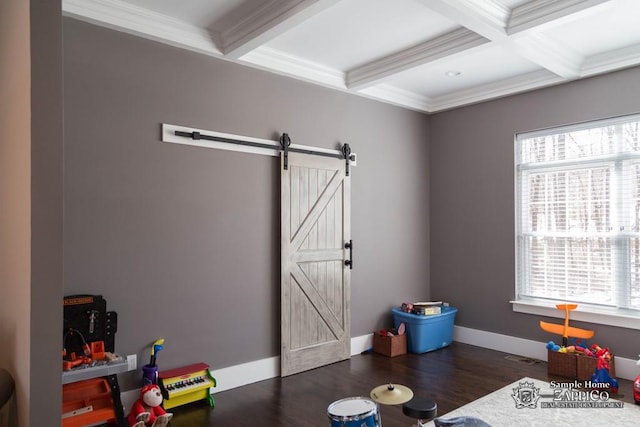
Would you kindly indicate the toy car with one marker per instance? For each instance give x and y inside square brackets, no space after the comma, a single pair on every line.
[636,390]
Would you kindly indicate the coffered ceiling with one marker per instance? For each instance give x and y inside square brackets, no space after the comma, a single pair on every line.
[426,55]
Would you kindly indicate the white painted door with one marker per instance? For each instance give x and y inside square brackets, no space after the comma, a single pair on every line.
[315,293]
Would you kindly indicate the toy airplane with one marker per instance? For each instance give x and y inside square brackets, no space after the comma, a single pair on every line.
[565,330]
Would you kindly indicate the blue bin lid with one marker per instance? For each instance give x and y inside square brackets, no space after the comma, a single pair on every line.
[446,311]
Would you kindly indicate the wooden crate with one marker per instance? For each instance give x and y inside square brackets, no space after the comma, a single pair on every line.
[390,346]
[562,364]
[586,366]
[574,366]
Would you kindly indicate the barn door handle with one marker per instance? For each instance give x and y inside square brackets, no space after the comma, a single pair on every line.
[349,262]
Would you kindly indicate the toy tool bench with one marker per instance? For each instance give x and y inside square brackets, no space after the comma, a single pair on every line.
[90,390]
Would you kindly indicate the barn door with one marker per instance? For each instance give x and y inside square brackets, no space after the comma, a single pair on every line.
[315,292]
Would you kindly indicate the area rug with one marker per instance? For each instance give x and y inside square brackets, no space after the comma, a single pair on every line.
[530,402]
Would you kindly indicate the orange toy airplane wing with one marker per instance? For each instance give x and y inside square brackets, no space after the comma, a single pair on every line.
[570,330]
[565,330]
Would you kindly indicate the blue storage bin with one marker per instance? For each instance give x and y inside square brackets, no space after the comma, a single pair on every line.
[426,332]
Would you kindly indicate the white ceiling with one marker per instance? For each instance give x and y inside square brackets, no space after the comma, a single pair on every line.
[396,51]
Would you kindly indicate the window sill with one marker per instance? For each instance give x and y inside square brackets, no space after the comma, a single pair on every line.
[583,314]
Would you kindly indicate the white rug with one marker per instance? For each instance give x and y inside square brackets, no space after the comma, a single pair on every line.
[536,403]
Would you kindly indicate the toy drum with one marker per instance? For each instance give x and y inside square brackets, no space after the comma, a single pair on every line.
[354,412]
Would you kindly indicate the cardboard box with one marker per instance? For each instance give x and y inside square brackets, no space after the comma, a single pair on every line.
[390,346]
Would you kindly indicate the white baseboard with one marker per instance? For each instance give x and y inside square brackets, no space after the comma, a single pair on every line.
[263,369]
[246,373]
[499,342]
[251,372]
[227,378]
[625,368]
[361,343]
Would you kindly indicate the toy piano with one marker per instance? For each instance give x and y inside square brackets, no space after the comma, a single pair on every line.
[187,384]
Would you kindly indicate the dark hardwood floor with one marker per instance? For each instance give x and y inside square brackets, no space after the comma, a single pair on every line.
[451,377]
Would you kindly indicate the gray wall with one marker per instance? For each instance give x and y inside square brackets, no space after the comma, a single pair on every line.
[472,198]
[183,242]
[31,204]
[46,210]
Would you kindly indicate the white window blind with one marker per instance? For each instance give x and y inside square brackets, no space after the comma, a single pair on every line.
[578,214]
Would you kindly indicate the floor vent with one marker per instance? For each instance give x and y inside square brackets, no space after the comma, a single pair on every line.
[522,359]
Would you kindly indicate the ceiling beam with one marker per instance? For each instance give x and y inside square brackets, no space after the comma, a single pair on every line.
[445,46]
[542,13]
[519,30]
[487,18]
[548,54]
[243,36]
[262,24]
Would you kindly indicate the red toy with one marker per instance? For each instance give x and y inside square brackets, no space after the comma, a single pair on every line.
[636,387]
[601,374]
[147,410]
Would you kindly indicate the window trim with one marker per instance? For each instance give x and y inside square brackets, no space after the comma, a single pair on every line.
[584,313]
[612,316]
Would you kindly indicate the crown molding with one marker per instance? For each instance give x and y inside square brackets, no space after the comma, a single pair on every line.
[447,45]
[395,96]
[613,60]
[485,23]
[277,61]
[522,83]
[125,17]
[540,13]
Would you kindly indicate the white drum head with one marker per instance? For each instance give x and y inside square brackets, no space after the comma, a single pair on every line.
[352,406]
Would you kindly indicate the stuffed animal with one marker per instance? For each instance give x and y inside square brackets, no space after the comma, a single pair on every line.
[146,411]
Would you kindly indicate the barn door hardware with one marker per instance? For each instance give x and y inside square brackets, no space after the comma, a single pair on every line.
[285,142]
[349,262]
[346,154]
[285,146]
[198,136]
[255,145]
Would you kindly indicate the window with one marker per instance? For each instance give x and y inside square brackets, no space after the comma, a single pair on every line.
[578,216]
